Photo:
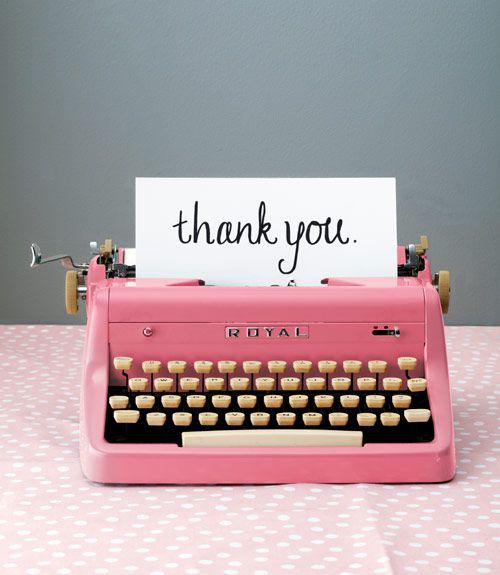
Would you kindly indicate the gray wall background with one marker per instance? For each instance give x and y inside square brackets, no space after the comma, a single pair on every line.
[95,93]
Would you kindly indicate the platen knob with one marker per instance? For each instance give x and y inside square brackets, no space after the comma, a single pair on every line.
[71,290]
[442,284]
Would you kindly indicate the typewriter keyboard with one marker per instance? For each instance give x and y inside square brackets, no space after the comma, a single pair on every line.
[321,403]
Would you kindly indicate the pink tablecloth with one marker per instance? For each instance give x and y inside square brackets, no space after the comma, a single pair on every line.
[53,521]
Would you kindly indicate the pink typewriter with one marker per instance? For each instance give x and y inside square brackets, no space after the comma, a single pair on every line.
[183,382]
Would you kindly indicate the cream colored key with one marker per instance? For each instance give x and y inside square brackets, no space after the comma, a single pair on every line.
[273,401]
[323,401]
[221,401]
[375,401]
[377,366]
[392,383]
[189,383]
[145,401]
[239,383]
[349,401]
[389,419]
[272,438]
[171,401]
[163,383]
[264,383]
[285,418]
[176,366]
[126,416]
[290,383]
[259,418]
[138,383]
[315,383]
[226,366]
[182,418]
[312,418]
[341,383]
[196,401]
[366,383]
[235,418]
[413,415]
[247,401]
[302,366]
[417,384]
[352,366]
[338,418]
[123,363]
[401,401]
[151,366]
[407,363]
[156,419]
[366,419]
[214,383]
[298,401]
[118,401]
[276,366]
[203,367]
[207,418]
[327,366]
[252,366]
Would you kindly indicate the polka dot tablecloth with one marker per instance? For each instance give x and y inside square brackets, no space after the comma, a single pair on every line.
[54,521]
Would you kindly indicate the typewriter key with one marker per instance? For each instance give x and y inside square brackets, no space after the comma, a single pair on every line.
[151,366]
[315,383]
[366,419]
[338,418]
[375,401]
[247,401]
[123,363]
[252,366]
[276,366]
[312,419]
[401,401]
[273,401]
[377,366]
[323,401]
[407,363]
[302,366]
[171,401]
[352,366]
[208,418]
[182,418]
[389,419]
[235,418]
[221,401]
[327,366]
[137,383]
[298,401]
[259,419]
[203,367]
[349,401]
[417,384]
[413,415]
[189,383]
[239,383]
[126,416]
[163,384]
[118,401]
[286,419]
[176,366]
[156,418]
[195,401]
[290,383]
[367,383]
[145,401]
[392,383]
[214,384]
[264,383]
[341,383]
[226,366]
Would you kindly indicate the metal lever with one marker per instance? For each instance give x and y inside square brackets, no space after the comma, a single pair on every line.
[66,261]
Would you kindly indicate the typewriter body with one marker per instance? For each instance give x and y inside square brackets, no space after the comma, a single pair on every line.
[342,382]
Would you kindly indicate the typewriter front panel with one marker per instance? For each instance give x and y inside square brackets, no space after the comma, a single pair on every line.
[191,377]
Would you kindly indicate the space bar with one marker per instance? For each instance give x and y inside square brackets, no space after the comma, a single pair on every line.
[272,438]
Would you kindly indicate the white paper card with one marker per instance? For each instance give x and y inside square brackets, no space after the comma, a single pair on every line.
[262,231]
